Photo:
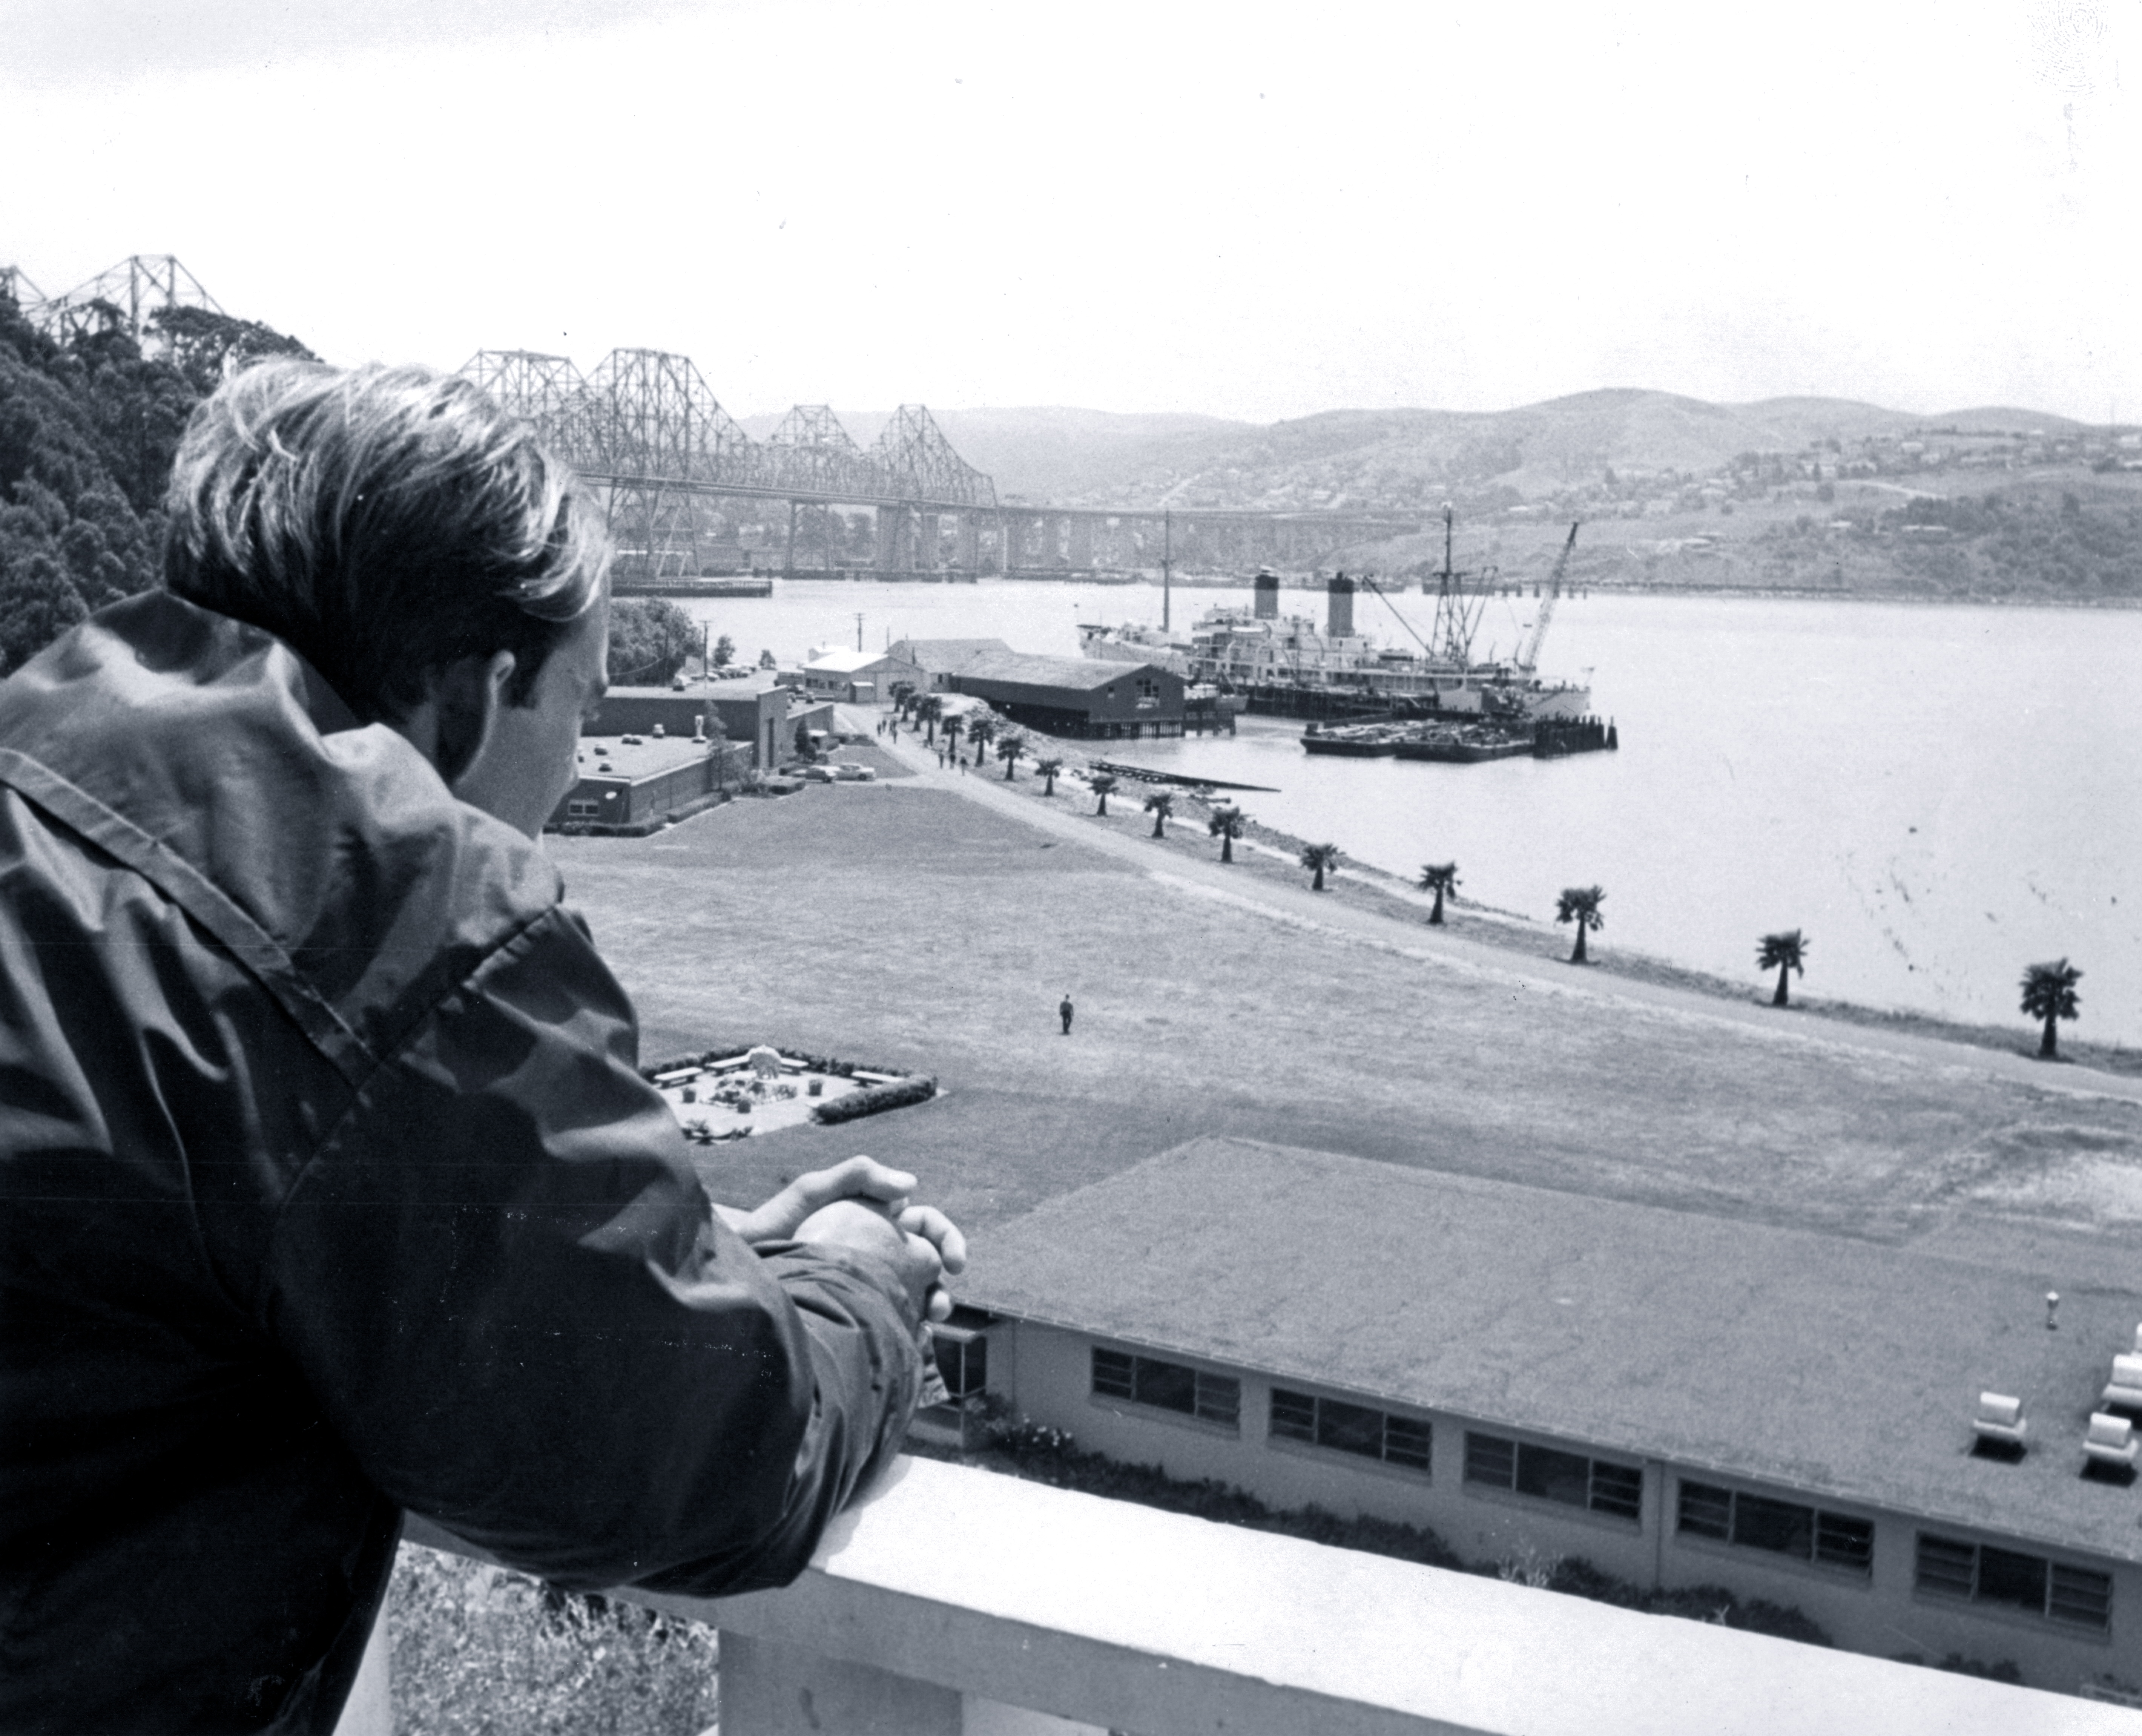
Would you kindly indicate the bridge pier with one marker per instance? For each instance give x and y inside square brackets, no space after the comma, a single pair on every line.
[970,555]
[891,528]
[1082,542]
[926,543]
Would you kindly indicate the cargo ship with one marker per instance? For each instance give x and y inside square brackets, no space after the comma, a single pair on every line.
[1289,667]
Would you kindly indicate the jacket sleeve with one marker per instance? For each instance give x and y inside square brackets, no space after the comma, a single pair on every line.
[503,1281]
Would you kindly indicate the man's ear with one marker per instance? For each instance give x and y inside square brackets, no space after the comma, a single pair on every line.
[469,697]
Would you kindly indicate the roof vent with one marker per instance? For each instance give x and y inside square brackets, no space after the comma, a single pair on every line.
[2109,1447]
[1999,1428]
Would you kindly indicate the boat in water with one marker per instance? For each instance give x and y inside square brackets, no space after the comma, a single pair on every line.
[1287,666]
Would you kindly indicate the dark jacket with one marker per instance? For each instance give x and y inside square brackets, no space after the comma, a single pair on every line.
[327,1189]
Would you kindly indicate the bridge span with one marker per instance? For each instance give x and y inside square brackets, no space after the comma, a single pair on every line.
[646,427]
[681,477]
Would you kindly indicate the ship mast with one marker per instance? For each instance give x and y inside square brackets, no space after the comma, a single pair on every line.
[1455,621]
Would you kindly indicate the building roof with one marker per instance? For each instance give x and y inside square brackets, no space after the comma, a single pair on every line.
[1832,1366]
[1081,674]
[941,656]
[645,756]
[853,662]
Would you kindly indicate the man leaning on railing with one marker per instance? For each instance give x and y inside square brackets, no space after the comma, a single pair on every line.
[327,1185]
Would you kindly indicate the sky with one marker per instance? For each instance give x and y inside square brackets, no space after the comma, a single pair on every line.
[1244,211]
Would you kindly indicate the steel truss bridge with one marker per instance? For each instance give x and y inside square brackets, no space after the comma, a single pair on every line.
[646,429]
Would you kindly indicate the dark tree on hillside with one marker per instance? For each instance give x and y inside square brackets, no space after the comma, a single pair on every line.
[1579,905]
[1160,804]
[650,640]
[1226,824]
[1441,879]
[206,345]
[1318,859]
[1010,749]
[1782,953]
[1103,781]
[1047,769]
[2049,993]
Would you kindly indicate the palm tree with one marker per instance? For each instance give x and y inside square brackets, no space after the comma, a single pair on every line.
[1010,749]
[1579,905]
[1782,953]
[1318,857]
[1226,824]
[981,732]
[930,710]
[1048,769]
[2049,993]
[1160,804]
[952,735]
[1438,879]
[1103,781]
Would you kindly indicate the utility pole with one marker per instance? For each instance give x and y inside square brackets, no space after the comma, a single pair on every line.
[1167,562]
[859,630]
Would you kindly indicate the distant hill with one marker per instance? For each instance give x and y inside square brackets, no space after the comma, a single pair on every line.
[1410,458]
[1805,494]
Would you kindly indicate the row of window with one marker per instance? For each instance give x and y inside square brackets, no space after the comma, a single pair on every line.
[1599,1486]
[1977,1572]
[1783,1527]
[2038,1587]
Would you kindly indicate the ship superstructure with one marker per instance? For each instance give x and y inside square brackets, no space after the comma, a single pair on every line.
[1289,666]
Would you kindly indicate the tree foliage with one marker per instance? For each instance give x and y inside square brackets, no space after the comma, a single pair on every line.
[1782,952]
[1227,823]
[1579,905]
[2049,994]
[649,638]
[1440,878]
[1320,859]
[87,432]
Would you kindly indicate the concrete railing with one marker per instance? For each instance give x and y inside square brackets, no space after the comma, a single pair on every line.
[961,1602]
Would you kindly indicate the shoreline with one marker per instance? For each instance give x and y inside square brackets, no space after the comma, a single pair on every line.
[1269,854]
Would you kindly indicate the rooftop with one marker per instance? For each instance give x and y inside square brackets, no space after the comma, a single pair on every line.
[939,655]
[644,756]
[1083,674]
[848,663]
[1827,1365]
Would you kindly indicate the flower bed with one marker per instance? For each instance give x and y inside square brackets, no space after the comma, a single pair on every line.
[733,1093]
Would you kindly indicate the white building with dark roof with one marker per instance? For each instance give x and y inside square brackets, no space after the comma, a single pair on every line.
[1076,696]
[1683,1400]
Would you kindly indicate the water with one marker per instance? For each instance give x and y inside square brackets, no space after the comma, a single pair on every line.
[1936,797]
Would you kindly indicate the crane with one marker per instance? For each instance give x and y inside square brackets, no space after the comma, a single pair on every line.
[1529,656]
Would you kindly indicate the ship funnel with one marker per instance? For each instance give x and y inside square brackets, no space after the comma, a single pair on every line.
[1340,624]
[1267,594]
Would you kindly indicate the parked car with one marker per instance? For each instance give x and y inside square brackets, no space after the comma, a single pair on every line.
[815,774]
[847,771]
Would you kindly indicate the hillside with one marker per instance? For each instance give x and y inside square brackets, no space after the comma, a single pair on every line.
[1809,493]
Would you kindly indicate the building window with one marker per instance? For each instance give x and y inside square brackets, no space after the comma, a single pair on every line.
[1168,1386]
[1784,1528]
[583,809]
[963,1358]
[1599,1486]
[1983,1574]
[1353,1429]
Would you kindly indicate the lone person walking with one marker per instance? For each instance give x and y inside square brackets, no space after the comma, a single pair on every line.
[1064,1013]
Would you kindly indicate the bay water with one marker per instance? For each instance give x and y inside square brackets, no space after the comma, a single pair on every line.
[1936,796]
